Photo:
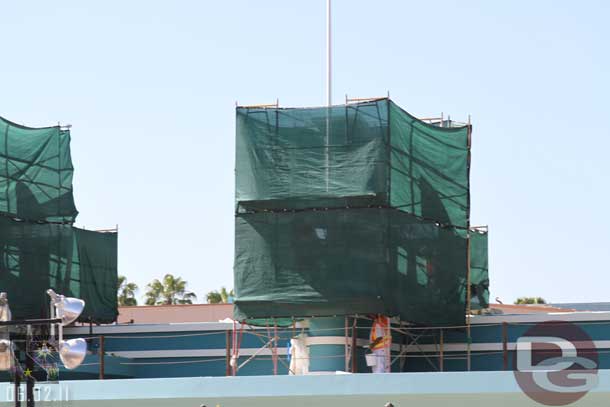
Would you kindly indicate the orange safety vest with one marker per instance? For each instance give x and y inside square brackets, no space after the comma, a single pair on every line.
[380,329]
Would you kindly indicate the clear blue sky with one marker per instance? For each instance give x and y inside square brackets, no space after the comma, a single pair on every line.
[150,89]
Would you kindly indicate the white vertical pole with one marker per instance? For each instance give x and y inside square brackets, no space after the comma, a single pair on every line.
[329,101]
[59,313]
[52,316]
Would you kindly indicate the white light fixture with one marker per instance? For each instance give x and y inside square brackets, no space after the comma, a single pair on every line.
[5,310]
[67,309]
[73,351]
[6,347]
[6,355]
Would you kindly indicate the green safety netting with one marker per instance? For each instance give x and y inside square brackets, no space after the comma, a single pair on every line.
[36,173]
[349,261]
[74,262]
[479,269]
[356,155]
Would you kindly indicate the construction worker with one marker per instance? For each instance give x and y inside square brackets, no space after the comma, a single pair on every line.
[381,342]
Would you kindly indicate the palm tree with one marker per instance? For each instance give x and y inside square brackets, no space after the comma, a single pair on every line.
[530,300]
[126,292]
[219,297]
[172,290]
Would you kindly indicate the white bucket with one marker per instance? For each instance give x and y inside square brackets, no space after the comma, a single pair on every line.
[371,359]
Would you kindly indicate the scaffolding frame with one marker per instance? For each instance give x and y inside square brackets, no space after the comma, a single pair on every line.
[351,341]
[269,341]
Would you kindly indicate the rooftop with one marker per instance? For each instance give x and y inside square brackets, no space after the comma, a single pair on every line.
[167,314]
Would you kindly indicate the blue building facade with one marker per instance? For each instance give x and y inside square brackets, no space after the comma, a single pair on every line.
[206,348]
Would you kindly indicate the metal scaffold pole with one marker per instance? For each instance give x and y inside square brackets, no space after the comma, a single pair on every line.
[354,345]
[441,353]
[468,310]
[274,349]
[347,344]
[468,249]
[228,352]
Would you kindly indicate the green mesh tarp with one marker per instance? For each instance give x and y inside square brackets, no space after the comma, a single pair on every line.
[349,261]
[479,269]
[429,174]
[356,155]
[36,173]
[95,261]
[74,262]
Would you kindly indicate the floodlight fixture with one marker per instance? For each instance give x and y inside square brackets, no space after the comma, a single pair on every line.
[6,346]
[6,355]
[5,310]
[67,309]
[72,352]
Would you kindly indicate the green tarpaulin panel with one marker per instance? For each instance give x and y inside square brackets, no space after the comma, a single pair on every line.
[429,174]
[97,265]
[479,269]
[78,263]
[36,173]
[349,261]
[356,155]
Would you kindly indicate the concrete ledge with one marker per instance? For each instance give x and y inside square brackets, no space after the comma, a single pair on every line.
[357,390]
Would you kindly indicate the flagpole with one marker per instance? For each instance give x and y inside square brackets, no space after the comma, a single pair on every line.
[329,101]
